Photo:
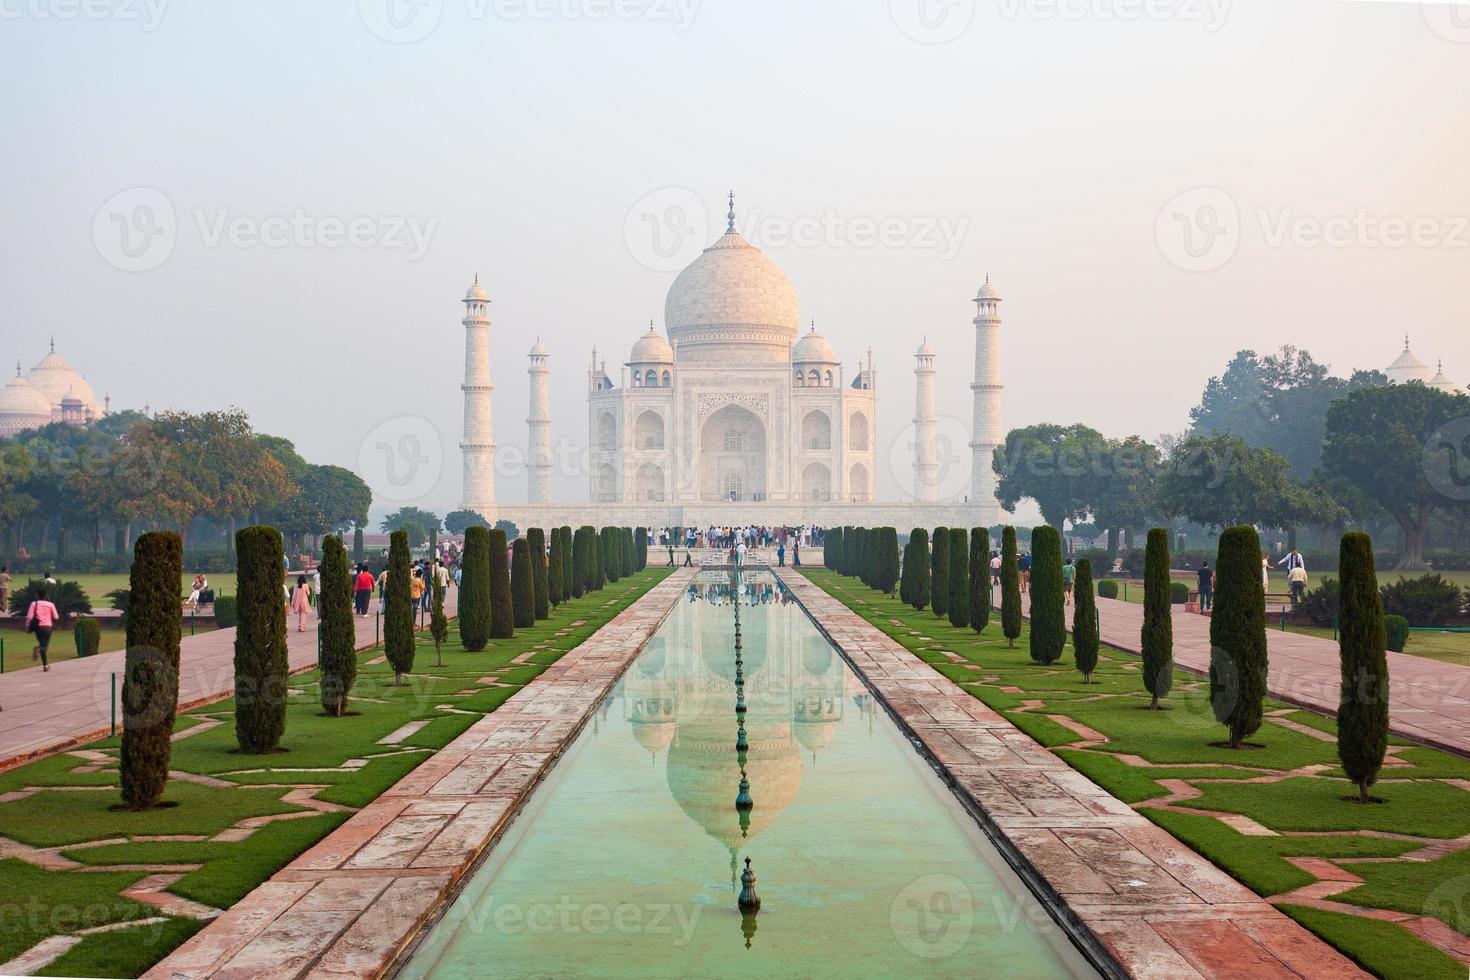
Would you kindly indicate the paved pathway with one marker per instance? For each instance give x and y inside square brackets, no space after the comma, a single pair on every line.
[1429,701]
[350,905]
[1157,907]
[71,704]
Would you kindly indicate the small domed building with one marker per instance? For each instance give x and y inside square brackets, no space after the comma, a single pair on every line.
[22,406]
[67,396]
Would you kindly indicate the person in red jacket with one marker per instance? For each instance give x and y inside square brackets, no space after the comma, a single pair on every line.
[362,587]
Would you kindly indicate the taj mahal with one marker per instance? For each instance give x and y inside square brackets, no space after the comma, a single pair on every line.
[734,414]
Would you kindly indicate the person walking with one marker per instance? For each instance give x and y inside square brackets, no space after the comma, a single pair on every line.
[671,553]
[41,618]
[362,589]
[1023,565]
[301,602]
[1069,571]
[4,588]
[995,569]
[740,553]
[780,556]
[1206,578]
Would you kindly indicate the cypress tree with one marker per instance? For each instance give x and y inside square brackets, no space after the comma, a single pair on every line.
[598,559]
[150,695]
[522,585]
[890,559]
[356,547]
[555,576]
[1362,707]
[568,570]
[398,608]
[260,639]
[438,624]
[474,589]
[612,562]
[906,575]
[580,565]
[1010,587]
[502,612]
[337,635]
[1084,620]
[858,557]
[959,578]
[919,537]
[1238,634]
[536,545]
[939,571]
[1048,600]
[849,549]
[1157,640]
[640,542]
[979,578]
[628,551]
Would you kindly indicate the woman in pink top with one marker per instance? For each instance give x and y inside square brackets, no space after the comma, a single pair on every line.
[41,617]
[301,602]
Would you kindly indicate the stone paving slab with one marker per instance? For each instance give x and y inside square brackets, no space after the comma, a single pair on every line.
[1131,890]
[351,904]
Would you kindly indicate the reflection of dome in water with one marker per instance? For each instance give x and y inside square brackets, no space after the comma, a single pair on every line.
[652,721]
[704,776]
[719,658]
[651,661]
[816,659]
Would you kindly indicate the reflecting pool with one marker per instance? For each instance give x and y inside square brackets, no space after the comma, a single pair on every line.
[626,861]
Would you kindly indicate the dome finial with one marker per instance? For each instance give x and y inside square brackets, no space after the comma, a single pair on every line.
[53,343]
[17,367]
[1406,340]
[731,215]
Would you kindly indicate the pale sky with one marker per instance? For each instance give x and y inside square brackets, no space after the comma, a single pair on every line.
[1046,142]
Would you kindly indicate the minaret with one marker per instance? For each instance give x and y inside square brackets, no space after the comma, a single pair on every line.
[538,470]
[478,446]
[926,424]
[985,434]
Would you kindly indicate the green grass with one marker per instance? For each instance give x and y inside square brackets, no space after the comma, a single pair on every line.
[35,903]
[1182,744]
[123,953]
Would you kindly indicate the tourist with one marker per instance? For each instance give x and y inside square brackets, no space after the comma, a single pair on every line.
[1296,580]
[1069,571]
[1206,577]
[41,617]
[316,590]
[796,554]
[1265,573]
[740,550]
[994,568]
[441,576]
[4,588]
[301,602]
[362,589]
[1293,560]
[1023,565]
[671,553]
[416,590]
[688,557]
[197,589]
[780,556]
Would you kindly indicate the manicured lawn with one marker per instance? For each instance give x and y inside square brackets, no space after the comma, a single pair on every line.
[1450,648]
[342,762]
[1292,785]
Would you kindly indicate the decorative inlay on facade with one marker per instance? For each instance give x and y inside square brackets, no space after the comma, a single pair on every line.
[759,404]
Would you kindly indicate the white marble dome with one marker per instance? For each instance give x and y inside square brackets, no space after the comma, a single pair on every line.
[55,379]
[22,406]
[1406,367]
[650,348]
[732,302]
[813,348]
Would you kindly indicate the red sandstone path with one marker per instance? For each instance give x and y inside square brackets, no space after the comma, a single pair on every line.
[72,703]
[1429,701]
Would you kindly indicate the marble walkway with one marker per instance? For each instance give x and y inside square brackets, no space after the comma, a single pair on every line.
[1157,908]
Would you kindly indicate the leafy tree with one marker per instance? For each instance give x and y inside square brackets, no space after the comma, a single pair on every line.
[414,532]
[939,571]
[1125,489]
[150,695]
[1219,481]
[337,636]
[1056,466]
[260,639]
[398,625]
[1238,635]
[1010,587]
[1401,447]
[1048,600]
[959,578]
[1157,640]
[979,578]
[456,522]
[522,585]
[474,589]
[438,623]
[1084,621]
[397,520]
[919,540]
[510,529]
[502,612]
[1362,707]
[536,545]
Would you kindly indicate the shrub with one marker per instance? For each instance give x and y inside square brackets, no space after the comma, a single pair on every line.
[398,608]
[150,695]
[1396,629]
[226,611]
[979,578]
[1084,621]
[1320,604]
[959,578]
[1238,635]
[1010,587]
[88,634]
[502,610]
[1157,639]
[1048,609]
[920,595]
[336,634]
[1428,600]
[1362,707]
[939,571]
[1107,588]
[260,639]
[522,585]
[68,598]
[1178,592]
[536,545]
[474,589]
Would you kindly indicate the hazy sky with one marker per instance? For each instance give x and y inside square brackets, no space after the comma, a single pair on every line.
[180,180]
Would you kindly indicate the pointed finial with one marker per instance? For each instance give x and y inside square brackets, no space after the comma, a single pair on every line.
[477,279]
[731,215]
[17,367]
[1406,340]
[53,343]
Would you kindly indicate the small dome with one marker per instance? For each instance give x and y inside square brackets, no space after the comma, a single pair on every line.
[987,291]
[651,347]
[22,406]
[537,349]
[1406,367]
[476,291]
[813,348]
[1442,381]
[924,349]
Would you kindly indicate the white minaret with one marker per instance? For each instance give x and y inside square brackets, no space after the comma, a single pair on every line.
[985,434]
[926,425]
[538,470]
[478,445]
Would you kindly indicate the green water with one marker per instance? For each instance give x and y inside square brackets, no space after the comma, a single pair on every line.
[624,862]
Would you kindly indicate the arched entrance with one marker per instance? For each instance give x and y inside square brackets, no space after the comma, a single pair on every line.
[816,482]
[732,455]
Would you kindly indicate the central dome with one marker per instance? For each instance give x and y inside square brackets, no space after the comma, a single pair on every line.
[732,301]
